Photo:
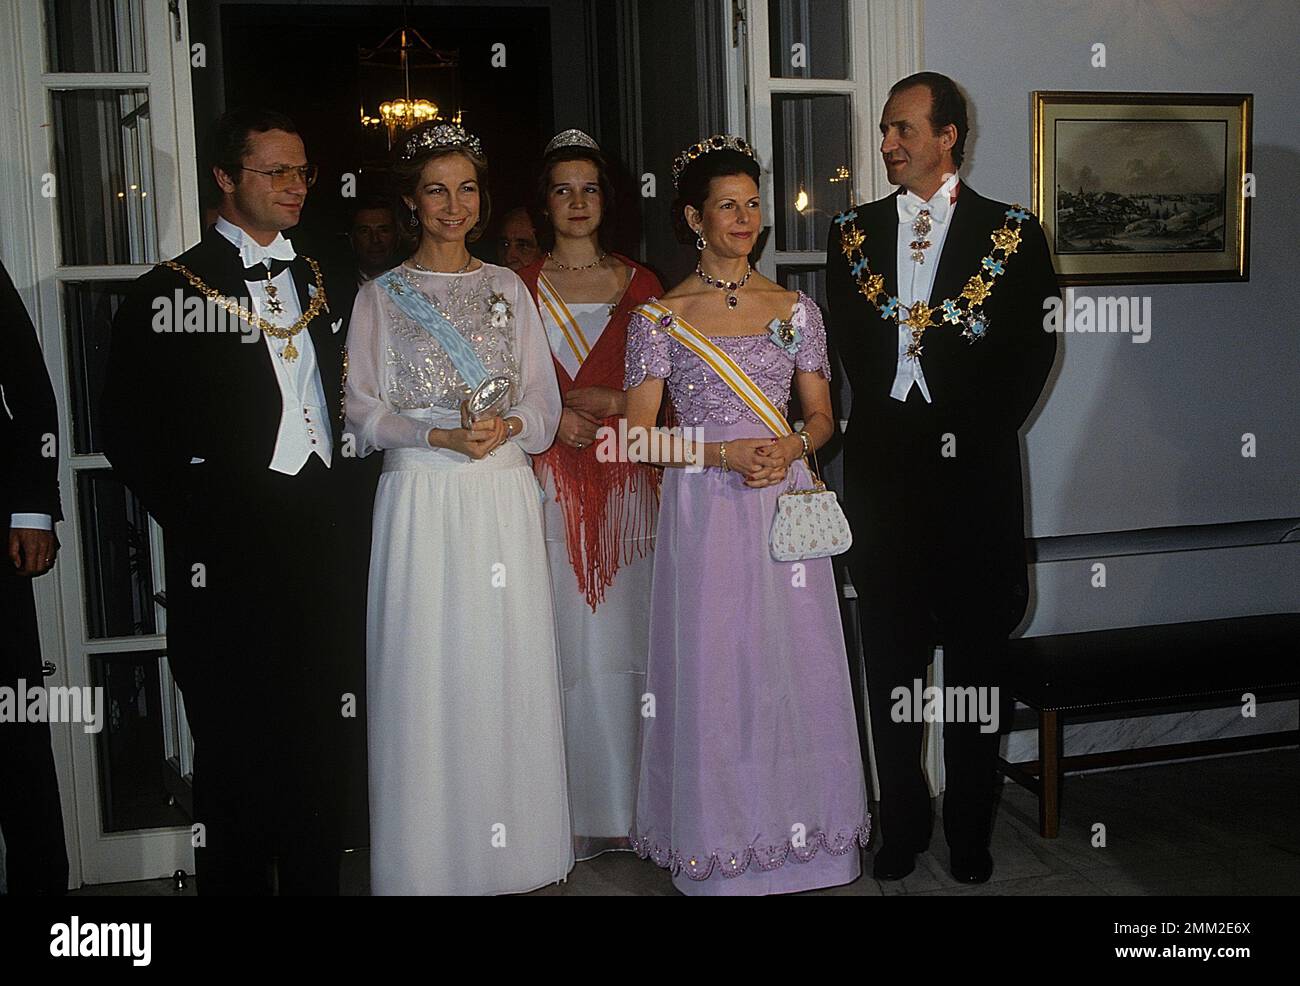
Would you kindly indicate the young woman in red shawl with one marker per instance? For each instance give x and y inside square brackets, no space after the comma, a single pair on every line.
[599,516]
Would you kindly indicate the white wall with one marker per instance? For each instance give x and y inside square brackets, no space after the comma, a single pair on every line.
[1136,436]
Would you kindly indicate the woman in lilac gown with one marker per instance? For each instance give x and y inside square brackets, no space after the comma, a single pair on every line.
[750,777]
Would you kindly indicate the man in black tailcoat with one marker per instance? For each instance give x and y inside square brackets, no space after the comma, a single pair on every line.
[223,407]
[36,857]
[935,298]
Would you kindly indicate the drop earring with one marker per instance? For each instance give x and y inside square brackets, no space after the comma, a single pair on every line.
[413,223]
[700,241]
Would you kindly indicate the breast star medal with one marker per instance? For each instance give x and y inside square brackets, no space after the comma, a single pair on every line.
[273,304]
[920,230]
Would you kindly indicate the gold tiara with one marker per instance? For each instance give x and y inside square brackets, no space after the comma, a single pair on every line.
[718,142]
[440,135]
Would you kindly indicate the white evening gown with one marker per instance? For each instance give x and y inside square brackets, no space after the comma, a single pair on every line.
[468,792]
[602,655]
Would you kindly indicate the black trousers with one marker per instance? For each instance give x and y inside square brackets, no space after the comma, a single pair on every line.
[36,855]
[929,569]
[262,649]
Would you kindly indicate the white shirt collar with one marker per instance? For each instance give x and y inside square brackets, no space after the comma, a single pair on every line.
[939,205]
[250,251]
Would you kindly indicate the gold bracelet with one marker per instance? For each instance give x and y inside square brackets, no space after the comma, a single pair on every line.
[807,442]
[722,451]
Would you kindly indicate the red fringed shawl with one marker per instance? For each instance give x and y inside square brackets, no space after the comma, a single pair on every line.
[594,495]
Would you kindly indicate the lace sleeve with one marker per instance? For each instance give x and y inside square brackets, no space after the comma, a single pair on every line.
[370,414]
[812,356]
[648,351]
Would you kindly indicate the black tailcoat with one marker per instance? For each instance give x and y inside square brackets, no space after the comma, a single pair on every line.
[265,572]
[30,815]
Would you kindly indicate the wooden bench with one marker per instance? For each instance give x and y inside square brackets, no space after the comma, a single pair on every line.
[1112,674]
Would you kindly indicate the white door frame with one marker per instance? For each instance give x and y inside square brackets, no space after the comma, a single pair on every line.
[885,46]
[29,247]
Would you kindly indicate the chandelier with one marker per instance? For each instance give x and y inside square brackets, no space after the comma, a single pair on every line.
[403,51]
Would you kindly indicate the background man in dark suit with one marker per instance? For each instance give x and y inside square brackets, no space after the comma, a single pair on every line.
[932,454]
[234,441]
[36,857]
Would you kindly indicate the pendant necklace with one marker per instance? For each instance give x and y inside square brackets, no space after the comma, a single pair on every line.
[729,287]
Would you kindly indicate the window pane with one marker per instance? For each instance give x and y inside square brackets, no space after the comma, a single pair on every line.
[88,309]
[133,774]
[116,562]
[810,280]
[94,36]
[819,29]
[104,159]
[811,159]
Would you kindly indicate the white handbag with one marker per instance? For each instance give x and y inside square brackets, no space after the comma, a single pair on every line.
[809,524]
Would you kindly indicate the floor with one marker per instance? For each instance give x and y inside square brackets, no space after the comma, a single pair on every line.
[1225,826]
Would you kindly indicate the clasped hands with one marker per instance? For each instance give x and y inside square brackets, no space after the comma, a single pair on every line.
[763,461]
[584,410]
[475,439]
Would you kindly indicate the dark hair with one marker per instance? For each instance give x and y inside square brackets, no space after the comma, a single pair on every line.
[947,105]
[693,184]
[228,144]
[541,221]
[371,202]
[406,179]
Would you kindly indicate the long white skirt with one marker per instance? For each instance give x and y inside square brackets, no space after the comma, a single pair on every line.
[467,779]
[602,662]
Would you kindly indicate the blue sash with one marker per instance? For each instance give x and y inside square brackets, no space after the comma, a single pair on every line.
[423,312]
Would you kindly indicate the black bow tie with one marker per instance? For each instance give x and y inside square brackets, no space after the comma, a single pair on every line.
[258,272]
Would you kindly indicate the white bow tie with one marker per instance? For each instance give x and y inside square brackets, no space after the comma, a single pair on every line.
[251,252]
[911,204]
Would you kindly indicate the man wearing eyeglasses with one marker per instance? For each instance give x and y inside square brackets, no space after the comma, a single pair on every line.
[223,414]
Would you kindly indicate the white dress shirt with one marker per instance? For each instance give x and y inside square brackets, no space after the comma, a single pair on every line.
[304,421]
[915,280]
[35,522]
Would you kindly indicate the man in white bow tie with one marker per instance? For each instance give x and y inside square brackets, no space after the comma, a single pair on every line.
[238,450]
[935,305]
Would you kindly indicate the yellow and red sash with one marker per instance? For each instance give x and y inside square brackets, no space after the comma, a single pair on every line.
[720,363]
[570,346]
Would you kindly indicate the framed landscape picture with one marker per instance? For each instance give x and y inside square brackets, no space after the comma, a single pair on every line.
[1138,187]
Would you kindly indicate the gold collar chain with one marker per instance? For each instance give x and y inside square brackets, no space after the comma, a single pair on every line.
[317,303]
[964,309]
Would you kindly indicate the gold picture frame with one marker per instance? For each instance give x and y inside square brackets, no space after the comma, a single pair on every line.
[1144,187]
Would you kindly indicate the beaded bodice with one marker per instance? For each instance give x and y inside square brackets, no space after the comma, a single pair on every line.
[699,395]
[420,373]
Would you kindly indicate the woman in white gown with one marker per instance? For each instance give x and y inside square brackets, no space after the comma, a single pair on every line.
[468,793]
[600,516]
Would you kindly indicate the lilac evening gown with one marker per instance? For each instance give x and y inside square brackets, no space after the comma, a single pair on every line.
[750,777]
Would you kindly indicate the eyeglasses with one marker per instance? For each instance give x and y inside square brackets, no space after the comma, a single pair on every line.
[282,178]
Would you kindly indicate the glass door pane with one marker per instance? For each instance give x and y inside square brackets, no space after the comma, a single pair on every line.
[94,36]
[116,558]
[820,28]
[88,310]
[811,158]
[103,156]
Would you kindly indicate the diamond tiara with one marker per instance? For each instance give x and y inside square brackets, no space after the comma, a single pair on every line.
[718,142]
[571,138]
[440,135]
